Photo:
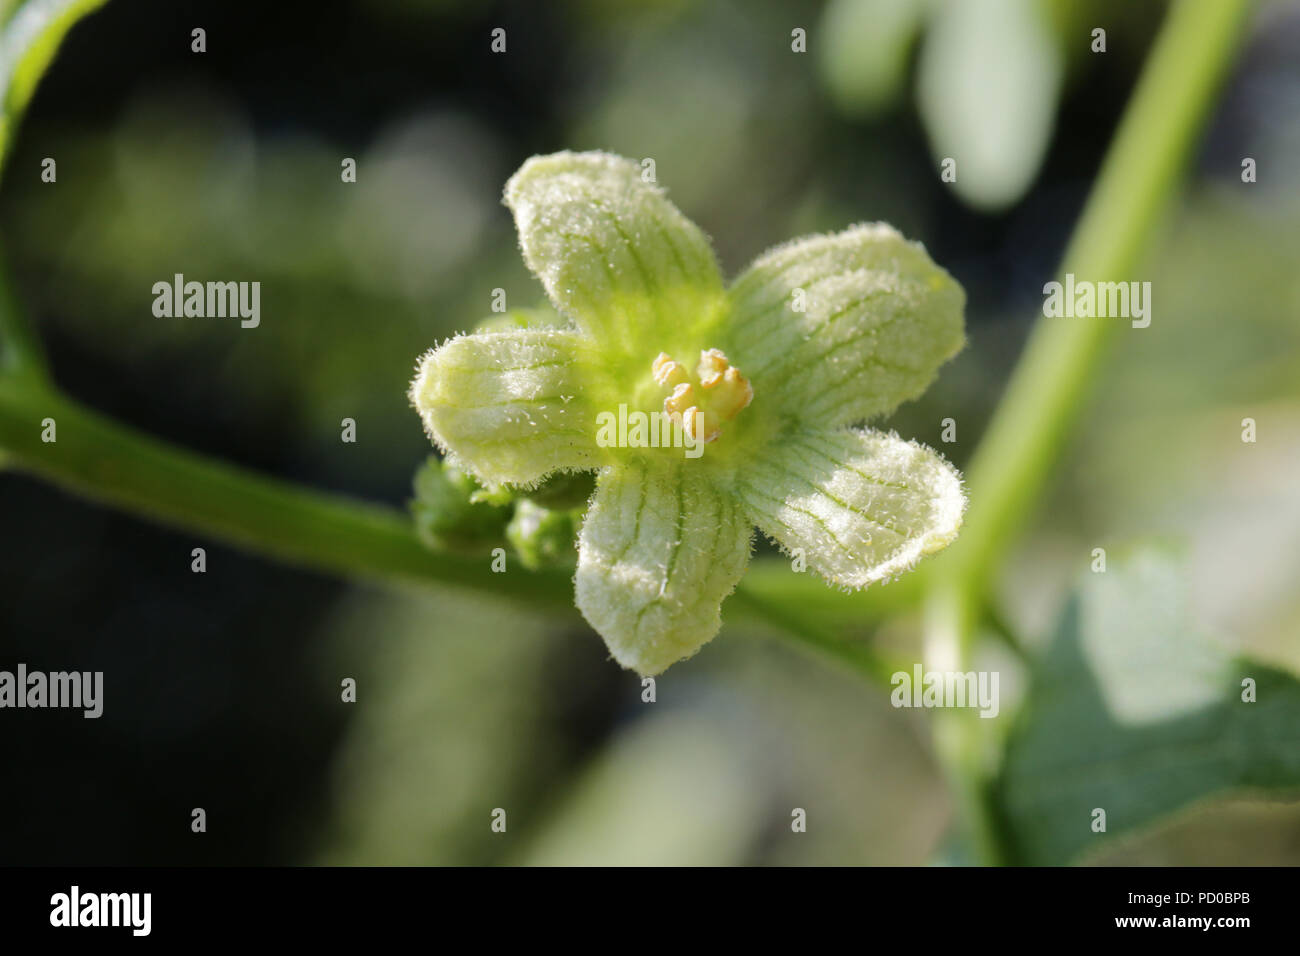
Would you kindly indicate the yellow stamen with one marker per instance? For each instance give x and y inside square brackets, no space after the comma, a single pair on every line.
[682,398]
[711,367]
[667,372]
[718,393]
[732,394]
[700,424]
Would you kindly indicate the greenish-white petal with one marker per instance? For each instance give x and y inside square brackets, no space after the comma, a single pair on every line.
[658,552]
[511,407]
[857,506]
[837,329]
[612,251]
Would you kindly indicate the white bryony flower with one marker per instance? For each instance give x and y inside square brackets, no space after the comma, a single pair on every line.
[766,380]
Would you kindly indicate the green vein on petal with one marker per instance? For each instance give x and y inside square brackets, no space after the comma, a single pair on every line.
[613,252]
[659,550]
[860,506]
[843,328]
[511,407]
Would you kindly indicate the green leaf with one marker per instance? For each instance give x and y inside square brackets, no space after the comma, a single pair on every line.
[837,329]
[511,407]
[29,37]
[28,41]
[1134,712]
[613,252]
[857,507]
[990,75]
[658,552]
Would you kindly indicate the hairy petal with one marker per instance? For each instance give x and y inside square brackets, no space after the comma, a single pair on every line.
[861,506]
[658,552]
[511,407]
[842,328]
[612,251]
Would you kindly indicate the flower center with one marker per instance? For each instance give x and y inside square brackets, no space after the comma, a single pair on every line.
[701,403]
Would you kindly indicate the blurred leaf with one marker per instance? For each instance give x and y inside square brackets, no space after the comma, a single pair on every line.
[448,725]
[1134,623]
[28,42]
[670,791]
[864,46]
[1134,713]
[990,75]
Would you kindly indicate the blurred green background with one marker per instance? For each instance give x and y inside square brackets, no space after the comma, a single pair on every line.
[223,688]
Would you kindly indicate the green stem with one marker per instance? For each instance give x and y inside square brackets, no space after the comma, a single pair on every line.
[997,625]
[1135,187]
[107,462]
[857,656]
[1137,182]
[21,354]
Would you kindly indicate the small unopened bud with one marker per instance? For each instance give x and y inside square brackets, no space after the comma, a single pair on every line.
[449,512]
[542,536]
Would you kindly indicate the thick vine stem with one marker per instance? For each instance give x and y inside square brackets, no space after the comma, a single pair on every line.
[21,354]
[1137,183]
[106,462]
[1138,180]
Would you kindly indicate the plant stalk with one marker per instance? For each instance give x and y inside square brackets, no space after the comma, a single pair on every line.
[1138,181]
